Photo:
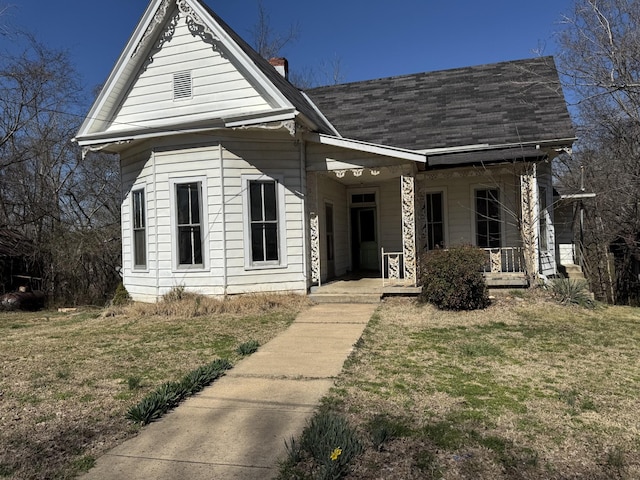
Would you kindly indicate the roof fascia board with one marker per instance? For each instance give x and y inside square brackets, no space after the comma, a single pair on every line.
[486,146]
[366,147]
[319,112]
[121,136]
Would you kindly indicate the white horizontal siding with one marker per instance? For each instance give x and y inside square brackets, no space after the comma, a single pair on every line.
[195,161]
[219,89]
[460,206]
[330,191]
[390,214]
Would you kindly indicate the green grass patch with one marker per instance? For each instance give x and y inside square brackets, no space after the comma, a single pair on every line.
[522,389]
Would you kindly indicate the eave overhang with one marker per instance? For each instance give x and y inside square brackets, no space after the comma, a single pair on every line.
[493,153]
[128,136]
[372,148]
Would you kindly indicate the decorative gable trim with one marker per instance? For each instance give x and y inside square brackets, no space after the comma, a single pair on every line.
[199,28]
[158,25]
[158,19]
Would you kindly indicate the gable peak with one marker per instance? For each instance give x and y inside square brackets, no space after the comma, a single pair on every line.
[166,17]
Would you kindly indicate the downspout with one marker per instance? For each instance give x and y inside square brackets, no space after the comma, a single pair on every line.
[155,216]
[224,221]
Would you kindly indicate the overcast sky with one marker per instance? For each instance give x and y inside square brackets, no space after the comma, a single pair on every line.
[372,39]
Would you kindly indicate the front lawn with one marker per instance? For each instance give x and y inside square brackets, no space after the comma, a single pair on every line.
[526,389]
[69,378]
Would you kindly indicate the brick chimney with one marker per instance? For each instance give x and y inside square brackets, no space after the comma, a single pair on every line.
[281,65]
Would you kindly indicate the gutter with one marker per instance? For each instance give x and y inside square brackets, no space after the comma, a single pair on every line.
[486,146]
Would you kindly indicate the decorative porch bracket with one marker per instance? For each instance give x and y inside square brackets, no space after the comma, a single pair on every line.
[409,228]
[314,226]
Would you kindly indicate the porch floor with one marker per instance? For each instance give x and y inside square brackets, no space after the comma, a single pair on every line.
[365,289]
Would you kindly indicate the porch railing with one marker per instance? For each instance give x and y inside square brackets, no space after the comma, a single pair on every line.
[504,259]
[392,268]
[499,260]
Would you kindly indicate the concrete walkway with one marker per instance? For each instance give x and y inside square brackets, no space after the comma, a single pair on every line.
[236,428]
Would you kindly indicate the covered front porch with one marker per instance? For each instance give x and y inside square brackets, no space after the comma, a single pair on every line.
[372,216]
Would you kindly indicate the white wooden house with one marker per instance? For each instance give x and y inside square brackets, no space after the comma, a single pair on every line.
[235,181]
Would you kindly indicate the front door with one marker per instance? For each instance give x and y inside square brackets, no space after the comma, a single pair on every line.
[364,242]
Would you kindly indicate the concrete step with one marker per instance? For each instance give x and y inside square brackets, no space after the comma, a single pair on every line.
[345,297]
[574,272]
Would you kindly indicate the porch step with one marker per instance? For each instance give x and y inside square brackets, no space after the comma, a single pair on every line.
[574,272]
[505,280]
[345,297]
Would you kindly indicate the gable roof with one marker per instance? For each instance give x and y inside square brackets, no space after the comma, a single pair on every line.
[153,31]
[503,104]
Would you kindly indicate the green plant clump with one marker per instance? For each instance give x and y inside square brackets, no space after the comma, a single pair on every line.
[248,347]
[329,442]
[121,296]
[452,279]
[170,394]
[572,292]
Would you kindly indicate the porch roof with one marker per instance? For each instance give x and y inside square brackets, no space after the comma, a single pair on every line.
[518,102]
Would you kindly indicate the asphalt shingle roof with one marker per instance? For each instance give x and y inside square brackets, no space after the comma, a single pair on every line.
[502,103]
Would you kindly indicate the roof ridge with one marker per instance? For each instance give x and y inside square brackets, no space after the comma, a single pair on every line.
[433,72]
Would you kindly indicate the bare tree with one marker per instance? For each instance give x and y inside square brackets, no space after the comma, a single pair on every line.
[63,204]
[600,65]
[267,41]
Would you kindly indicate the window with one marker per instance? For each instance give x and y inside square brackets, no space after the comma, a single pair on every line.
[544,227]
[139,230]
[434,217]
[189,223]
[264,221]
[488,218]
[363,198]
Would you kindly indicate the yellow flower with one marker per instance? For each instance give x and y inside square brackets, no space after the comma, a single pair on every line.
[335,454]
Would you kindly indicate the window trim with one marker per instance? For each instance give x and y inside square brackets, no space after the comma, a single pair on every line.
[136,189]
[445,213]
[204,224]
[249,264]
[474,225]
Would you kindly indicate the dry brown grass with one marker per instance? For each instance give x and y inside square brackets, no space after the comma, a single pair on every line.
[68,379]
[525,389]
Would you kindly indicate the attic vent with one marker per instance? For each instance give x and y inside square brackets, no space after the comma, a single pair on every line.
[182,85]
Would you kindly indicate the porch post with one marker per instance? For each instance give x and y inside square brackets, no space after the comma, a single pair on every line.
[529,221]
[314,226]
[409,228]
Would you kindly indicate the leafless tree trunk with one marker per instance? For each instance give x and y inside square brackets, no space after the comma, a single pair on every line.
[600,65]
[65,205]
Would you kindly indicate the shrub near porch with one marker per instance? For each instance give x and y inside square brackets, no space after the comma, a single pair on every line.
[452,279]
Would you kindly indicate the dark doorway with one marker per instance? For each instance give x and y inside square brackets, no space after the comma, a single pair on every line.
[364,241]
